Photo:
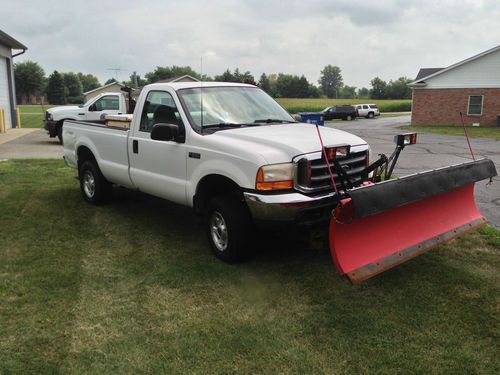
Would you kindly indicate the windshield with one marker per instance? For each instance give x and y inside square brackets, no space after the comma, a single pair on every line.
[231,106]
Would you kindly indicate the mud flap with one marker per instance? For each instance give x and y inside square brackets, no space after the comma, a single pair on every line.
[394,221]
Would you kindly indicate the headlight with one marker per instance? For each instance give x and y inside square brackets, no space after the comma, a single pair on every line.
[48,116]
[275,177]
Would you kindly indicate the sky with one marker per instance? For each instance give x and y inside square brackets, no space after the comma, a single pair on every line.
[384,38]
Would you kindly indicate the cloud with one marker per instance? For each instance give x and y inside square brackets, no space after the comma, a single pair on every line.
[386,38]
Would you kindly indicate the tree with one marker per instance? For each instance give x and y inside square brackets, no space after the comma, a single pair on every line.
[74,88]
[363,93]
[111,80]
[236,76]
[314,91]
[135,81]
[292,86]
[399,89]
[56,91]
[166,72]
[347,92]
[30,79]
[379,89]
[89,81]
[331,81]
[264,83]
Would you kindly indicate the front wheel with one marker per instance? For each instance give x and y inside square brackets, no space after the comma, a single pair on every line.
[371,115]
[94,187]
[229,229]
[349,118]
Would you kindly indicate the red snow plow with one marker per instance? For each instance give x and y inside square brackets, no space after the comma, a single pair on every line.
[381,224]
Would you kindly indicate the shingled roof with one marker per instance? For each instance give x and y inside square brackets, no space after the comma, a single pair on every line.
[424,72]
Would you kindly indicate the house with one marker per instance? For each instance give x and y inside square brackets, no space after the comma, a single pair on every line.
[110,87]
[471,86]
[184,78]
[7,86]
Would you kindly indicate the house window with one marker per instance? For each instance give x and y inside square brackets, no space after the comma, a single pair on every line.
[475,105]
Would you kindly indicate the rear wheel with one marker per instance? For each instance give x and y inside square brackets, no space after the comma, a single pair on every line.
[94,187]
[349,118]
[229,229]
[371,115]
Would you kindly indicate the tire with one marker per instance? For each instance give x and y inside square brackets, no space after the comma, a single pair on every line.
[349,118]
[94,187]
[59,133]
[371,115]
[229,229]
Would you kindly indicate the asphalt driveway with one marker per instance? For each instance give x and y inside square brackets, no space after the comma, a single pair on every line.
[35,144]
[431,151]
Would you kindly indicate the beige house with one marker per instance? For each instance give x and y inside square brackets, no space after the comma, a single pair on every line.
[110,87]
[184,78]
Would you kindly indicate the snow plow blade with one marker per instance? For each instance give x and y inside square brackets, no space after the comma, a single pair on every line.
[385,224]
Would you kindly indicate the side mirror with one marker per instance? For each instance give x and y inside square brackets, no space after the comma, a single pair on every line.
[92,108]
[165,132]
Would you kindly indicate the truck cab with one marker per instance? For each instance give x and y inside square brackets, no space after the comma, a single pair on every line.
[110,103]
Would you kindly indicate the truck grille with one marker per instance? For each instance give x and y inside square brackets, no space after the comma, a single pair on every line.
[313,175]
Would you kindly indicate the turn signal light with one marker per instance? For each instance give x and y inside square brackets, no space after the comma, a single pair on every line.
[274,177]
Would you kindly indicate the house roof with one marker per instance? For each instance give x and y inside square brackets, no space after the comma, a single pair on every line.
[419,80]
[9,41]
[103,87]
[425,72]
[179,79]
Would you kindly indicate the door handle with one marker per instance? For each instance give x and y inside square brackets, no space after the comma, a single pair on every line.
[81,114]
[135,146]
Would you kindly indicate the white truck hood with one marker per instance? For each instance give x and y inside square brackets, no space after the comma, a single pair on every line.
[278,143]
[64,109]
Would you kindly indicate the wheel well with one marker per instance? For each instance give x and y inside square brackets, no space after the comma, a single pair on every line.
[211,186]
[83,154]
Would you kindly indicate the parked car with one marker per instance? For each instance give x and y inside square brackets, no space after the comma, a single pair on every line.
[344,112]
[367,110]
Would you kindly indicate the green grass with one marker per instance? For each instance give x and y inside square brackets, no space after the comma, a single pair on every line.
[480,132]
[131,287]
[32,115]
[315,105]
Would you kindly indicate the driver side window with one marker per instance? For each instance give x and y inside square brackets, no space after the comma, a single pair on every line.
[159,107]
[109,102]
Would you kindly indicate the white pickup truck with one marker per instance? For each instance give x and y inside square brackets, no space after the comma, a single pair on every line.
[109,103]
[227,150]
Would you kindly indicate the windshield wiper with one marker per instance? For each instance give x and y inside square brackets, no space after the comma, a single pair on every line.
[273,120]
[223,125]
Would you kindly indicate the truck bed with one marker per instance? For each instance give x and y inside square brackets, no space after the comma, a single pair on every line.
[108,144]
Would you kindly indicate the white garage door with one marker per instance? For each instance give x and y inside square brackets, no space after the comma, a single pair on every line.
[4,92]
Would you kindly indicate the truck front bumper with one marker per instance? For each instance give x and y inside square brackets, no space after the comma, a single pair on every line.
[281,210]
[51,127]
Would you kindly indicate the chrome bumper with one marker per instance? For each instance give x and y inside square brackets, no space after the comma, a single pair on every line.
[290,208]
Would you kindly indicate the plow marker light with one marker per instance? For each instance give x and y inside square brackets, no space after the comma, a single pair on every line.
[390,222]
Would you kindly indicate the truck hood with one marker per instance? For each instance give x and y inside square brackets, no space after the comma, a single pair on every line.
[278,143]
[64,108]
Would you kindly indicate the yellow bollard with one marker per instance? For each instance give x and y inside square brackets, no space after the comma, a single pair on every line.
[18,112]
[2,121]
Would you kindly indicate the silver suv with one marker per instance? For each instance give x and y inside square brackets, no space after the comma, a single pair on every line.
[367,110]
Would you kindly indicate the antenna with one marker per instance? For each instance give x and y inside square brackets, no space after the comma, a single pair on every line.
[201,93]
[117,70]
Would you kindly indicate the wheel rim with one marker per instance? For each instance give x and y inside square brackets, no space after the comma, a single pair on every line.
[349,118]
[88,184]
[218,230]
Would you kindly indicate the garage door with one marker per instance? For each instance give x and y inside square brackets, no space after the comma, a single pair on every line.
[4,91]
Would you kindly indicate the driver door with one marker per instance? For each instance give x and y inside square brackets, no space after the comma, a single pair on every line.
[158,167]
[106,105]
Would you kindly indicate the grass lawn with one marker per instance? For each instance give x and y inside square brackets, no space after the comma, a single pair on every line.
[32,115]
[132,287]
[293,105]
[481,132]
